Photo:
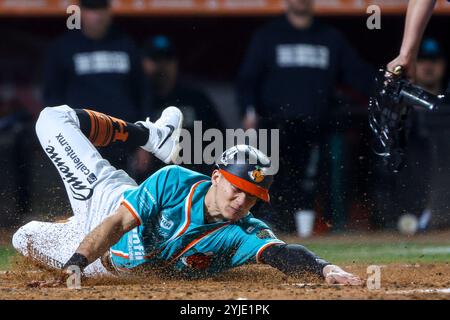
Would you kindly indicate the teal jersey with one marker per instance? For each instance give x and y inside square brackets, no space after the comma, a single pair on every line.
[172,232]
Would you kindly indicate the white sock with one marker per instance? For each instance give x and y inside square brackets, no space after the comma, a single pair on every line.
[153,136]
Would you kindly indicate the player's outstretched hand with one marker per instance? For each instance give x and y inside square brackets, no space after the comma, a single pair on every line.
[335,275]
[408,66]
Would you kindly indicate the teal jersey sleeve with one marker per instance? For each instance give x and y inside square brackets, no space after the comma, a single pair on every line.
[154,194]
[253,237]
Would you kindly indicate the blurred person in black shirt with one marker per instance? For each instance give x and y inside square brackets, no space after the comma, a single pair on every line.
[161,66]
[97,67]
[287,81]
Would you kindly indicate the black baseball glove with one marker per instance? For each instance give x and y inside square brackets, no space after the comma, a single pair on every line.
[388,113]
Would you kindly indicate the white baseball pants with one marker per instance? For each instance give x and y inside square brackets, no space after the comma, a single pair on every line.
[93,186]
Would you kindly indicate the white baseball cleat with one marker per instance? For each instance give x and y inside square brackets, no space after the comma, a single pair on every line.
[164,135]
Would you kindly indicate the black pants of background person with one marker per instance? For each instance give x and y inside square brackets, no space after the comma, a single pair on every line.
[440,191]
[413,186]
[423,183]
[409,190]
[301,170]
[16,147]
[433,128]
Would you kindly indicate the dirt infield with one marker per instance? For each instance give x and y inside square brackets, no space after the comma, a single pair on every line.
[428,281]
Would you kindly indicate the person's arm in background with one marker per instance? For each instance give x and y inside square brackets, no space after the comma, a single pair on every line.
[417,17]
[54,77]
[248,81]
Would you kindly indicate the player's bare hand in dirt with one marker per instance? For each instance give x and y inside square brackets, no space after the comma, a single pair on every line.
[335,275]
[408,65]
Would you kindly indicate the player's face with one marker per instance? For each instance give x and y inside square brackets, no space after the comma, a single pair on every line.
[299,7]
[232,202]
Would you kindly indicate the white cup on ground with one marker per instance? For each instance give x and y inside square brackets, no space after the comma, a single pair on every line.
[304,221]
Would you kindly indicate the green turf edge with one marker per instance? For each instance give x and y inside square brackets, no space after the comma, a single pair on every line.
[382,253]
[346,253]
[5,256]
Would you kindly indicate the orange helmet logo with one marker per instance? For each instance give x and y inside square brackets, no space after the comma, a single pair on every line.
[257,175]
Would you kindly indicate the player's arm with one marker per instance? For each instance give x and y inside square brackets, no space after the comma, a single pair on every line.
[103,237]
[417,17]
[294,259]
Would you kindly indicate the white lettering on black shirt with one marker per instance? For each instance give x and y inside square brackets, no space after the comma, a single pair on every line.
[101,62]
[302,55]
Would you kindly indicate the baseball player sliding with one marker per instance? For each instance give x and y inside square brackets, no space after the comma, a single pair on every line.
[177,220]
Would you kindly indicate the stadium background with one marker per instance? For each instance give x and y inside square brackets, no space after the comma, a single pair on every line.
[210,44]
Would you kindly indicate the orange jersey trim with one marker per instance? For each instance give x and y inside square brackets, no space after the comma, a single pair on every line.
[197,240]
[261,250]
[132,211]
[189,205]
[122,255]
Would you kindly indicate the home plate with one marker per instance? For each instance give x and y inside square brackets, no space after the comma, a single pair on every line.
[442,290]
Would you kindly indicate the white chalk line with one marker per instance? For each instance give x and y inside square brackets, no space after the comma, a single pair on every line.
[402,292]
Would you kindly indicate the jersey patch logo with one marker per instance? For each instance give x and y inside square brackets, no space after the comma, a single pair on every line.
[265,234]
[165,223]
[250,229]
